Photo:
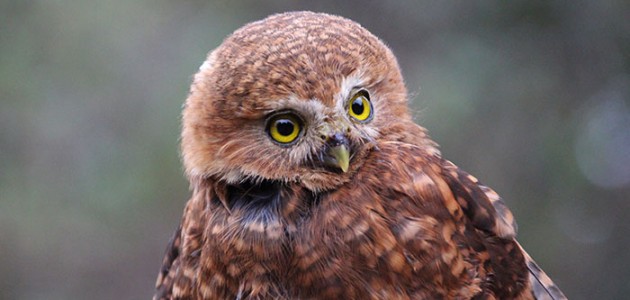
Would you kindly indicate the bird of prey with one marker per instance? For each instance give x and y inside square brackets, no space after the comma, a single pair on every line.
[310,180]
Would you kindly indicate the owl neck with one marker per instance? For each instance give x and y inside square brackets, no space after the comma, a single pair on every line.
[251,194]
[255,197]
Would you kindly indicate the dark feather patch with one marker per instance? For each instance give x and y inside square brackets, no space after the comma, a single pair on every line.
[481,204]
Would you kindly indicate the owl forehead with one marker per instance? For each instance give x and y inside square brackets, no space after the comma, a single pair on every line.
[304,55]
[315,108]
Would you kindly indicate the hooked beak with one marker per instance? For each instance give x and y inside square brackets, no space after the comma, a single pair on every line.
[337,153]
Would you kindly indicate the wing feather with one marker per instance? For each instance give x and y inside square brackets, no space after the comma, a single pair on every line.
[179,268]
[488,212]
[481,204]
[164,282]
[542,287]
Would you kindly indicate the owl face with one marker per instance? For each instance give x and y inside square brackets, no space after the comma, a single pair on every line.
[297,97]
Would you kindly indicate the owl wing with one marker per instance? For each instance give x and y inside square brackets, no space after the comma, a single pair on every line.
[170,262]
[487,212]
[181,260]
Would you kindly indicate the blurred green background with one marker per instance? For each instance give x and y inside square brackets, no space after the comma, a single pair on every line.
[532,97]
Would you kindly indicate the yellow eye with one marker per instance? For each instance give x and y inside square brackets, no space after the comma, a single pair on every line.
[360,107]
[284,128]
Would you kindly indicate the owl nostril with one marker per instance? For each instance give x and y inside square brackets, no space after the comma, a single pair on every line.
[337,139]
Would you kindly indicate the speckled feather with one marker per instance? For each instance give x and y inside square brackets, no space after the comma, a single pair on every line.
[268,221]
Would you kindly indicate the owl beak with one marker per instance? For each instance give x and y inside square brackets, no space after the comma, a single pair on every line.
[338,153]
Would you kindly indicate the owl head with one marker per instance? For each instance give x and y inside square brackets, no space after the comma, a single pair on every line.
[297,97]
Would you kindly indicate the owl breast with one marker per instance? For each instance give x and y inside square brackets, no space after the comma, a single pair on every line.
[287,242]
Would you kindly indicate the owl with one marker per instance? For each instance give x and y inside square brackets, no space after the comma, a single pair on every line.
[310,180]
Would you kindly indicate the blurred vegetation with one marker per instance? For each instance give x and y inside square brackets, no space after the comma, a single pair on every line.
[533,97]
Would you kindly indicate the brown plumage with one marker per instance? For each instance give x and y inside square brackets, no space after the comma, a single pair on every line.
[311,181]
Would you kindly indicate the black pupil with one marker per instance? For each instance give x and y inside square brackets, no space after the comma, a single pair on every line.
[285,127]
[357,106]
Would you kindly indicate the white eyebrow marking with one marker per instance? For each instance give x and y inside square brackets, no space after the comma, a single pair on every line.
[347,85]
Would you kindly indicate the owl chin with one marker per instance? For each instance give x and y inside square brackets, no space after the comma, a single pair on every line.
[317,176]
[316,180]
[252,194]
[327,177]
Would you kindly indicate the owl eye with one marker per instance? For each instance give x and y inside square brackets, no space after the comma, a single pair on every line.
[284,128]
[360,107]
